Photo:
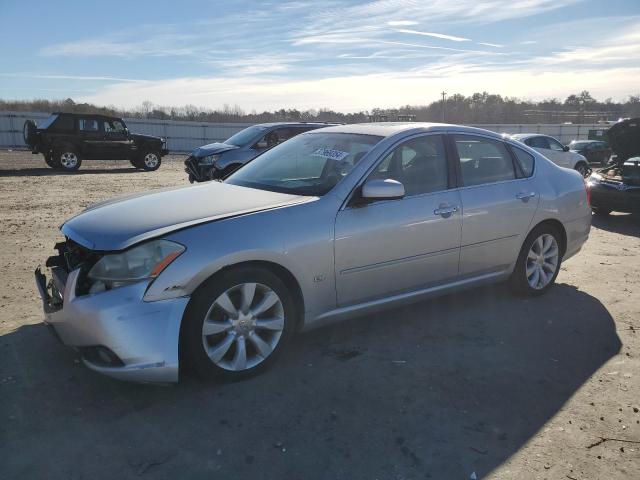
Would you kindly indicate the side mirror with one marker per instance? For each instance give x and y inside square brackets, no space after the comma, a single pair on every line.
[565,148]
[379,189]
[261,144]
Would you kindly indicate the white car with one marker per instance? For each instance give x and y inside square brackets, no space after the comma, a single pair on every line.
[554,151]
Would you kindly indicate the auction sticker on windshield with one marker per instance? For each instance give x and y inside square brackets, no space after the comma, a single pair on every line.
[330,153]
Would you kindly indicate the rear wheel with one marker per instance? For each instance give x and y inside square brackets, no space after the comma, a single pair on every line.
[539,262]
[237,323]
[67,159]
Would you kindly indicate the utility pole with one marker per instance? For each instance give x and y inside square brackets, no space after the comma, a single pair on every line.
[444,94]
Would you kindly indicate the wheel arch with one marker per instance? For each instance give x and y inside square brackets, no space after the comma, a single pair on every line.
[558,226]
[283,273]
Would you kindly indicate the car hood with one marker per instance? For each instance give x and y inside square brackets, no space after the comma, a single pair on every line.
[119,223]
[212,148]
[624,138]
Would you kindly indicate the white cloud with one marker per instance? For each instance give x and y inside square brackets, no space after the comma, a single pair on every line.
[401,23]
[486,44]
[434,35]
[356,92]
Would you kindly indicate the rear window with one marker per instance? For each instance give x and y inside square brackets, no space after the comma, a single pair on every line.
[525,160]
[46,123]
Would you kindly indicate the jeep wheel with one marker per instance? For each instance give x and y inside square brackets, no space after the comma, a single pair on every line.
[51,161]
[68,159]
[149,161]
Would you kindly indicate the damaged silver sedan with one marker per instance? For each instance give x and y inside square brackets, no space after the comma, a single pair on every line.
[331,224]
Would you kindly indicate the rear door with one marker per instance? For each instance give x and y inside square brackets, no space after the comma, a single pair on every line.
[91,137]
[394,246]
[498,202]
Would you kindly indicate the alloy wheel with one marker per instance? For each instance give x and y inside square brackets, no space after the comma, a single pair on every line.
[243,326]
[542,261]
[68,160]
[151,160]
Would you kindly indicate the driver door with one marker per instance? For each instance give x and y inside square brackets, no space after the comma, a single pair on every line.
[117,143]
[394,246]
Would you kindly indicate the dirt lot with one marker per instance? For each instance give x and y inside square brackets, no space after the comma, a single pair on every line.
[478,382]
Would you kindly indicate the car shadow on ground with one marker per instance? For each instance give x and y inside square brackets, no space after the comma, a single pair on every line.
[437,390]
[42,172]
[622,223]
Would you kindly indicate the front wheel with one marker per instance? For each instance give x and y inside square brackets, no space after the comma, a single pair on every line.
[149,161]
[237,323]
[539,262]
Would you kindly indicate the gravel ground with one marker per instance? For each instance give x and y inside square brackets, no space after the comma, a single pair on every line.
[476,382]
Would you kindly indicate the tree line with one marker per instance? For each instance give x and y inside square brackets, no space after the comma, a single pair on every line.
[478,108]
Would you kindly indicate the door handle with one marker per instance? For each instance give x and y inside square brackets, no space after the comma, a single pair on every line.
[445,210]
[525,196]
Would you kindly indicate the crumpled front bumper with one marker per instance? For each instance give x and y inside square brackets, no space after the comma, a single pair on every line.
[140,337]
[197,172]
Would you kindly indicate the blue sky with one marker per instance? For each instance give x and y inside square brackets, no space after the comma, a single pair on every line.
[346,55]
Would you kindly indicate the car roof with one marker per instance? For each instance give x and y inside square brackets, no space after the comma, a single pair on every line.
[95,115]
[524,136]
[295,124]
[387,129]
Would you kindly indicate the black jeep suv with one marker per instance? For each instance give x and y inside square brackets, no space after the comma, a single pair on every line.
[65,139]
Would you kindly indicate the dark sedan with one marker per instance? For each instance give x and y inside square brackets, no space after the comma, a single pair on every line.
[595,151]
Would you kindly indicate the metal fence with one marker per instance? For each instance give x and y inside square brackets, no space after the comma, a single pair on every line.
[185,136]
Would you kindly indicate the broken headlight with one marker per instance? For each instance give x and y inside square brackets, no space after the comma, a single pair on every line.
[139,263]
[208,160]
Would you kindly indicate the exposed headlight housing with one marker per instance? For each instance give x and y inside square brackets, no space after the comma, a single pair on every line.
[208,160]
[146,261]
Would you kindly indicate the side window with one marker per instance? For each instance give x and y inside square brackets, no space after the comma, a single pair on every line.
[419,164]
[525,160]
[538,142]
[88,125]
[113,126]
[64,123]
[483,160]
[555,145]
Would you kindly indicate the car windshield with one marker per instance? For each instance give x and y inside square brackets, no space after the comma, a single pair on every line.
[309,164]
[47,122]
[246,136]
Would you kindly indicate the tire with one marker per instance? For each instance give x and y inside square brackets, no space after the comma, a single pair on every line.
[67,158]
[51,161]
[601,212]
[29,133]
[218,354]
[583,168]
[150,160]
[523,279]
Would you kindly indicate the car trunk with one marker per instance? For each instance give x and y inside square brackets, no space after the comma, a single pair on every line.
[624,138]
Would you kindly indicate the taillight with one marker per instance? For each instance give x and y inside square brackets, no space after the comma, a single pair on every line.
[587,189]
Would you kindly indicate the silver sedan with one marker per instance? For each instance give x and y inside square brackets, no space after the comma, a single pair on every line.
[333,223]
